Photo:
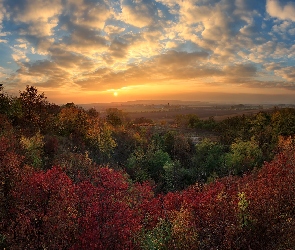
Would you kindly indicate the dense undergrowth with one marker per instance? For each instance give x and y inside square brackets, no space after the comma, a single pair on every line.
[77,179]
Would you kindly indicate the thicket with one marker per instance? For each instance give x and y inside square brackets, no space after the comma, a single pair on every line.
[75,179]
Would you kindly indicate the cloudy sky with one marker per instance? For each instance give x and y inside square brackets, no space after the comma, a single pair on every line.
[116,50]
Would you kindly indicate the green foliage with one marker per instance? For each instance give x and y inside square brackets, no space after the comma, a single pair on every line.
[243,157]
[234,127]
[5,103]
[3,242]
[148,165]
[189,121]
[157,238]
[284,121]
[137,166]
[115,117]
[82,205]
[33,108]
[33,149]
[100,137]
[177,177]
[126,142]
[6,126]
[179,147]
[209,159]
[170,176]
[243,205]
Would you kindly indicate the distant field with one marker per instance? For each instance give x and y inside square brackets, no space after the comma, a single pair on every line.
[201,112]
[160,112]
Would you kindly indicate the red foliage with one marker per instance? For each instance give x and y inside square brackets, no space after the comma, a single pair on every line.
[272,205]
[45,211]
[106,211]
[106,217]
[9,176]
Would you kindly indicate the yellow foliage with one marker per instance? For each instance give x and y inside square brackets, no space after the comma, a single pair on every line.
[184,232]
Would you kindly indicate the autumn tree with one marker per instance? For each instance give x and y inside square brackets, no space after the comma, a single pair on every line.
[45,211]
[115,117]
[99,134]
[107,220]
[72,120]
[10,175]
[33,107]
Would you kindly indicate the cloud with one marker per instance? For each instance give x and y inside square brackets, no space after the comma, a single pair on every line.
[83,41]
[39,15]
[104,44]
[167,67]
[281,11]
[2,13]
[272,66]
[19,55]
[91,14]
[113,30]
[41,73]
[118,49]
[139,13]
[181,58]
[241,70]
[73,63]
[288,73]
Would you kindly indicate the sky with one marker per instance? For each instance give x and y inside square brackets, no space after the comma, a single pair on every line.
[90,51]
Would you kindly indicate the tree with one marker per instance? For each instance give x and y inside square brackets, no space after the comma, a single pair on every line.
[284,121]
[5,102]
[243,157]
[179,147]
[209,159]
[33,147]
[10,175]
[99,135]
[107,220]
[148,165]
[33,107]
[72,120]
[115,117]
[45,210]
[188,121]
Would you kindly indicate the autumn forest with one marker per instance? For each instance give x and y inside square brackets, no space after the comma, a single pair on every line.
[72,178]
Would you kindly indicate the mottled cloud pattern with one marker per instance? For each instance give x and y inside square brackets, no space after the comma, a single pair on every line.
[99,45]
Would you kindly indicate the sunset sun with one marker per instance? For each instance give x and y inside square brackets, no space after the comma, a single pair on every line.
[115,93]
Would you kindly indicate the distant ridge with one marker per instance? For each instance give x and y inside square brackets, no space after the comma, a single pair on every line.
[148,102]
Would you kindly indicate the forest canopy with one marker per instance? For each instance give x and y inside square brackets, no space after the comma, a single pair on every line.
[72,178]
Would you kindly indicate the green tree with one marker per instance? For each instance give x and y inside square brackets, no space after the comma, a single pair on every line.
[234,127]
[179,147]
[209,159]
[284,121]
[243,157]
[33,147]
[148,165]
[33,108]
[100,137]
[115,117]
[188,121]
